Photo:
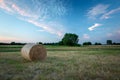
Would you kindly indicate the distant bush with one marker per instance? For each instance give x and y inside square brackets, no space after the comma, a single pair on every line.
[51,43]
[87,43]
[40,43]
[78,45]
[116,43]
[12,43]
[60,43]
[4,43]
[98,43]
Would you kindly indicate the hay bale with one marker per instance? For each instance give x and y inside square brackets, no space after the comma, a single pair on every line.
[34,52]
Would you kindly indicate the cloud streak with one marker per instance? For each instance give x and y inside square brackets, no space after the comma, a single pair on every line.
[101,11]
[107,15]
[43,13]
[4,6]
[94,26]
[46,27]
[22,12]
[97,10]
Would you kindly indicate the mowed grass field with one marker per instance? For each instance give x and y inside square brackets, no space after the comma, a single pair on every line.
[62,63]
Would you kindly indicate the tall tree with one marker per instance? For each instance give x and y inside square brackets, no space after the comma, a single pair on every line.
[70,39]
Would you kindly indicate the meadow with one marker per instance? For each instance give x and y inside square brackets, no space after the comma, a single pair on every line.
[62,63]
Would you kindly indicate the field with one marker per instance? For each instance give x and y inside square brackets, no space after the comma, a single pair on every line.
[62,63]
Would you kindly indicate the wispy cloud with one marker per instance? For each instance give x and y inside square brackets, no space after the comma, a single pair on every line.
[94,26]
[46,27]
[42,14]
[22,12]
[86,36]
[101,11]
[97,10]
[107,14]
[55,7]
[4,6]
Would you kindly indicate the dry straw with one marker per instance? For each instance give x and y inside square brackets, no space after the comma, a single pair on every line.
[34,52]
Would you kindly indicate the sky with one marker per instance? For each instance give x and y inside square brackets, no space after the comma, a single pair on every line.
[32,21]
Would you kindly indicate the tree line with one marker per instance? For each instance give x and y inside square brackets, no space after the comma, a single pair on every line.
[12,43]
[69,39]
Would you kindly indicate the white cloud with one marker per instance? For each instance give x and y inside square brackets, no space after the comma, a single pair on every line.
[41,14]
[23,12]
[97,10]
[94,26]
[101,11]
[107,15]
[46,27]
[5,7]
[51,8]
[86,36]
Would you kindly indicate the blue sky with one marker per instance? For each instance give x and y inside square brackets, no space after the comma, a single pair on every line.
[48,20]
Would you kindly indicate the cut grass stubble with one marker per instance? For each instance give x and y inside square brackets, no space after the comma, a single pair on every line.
[62,65]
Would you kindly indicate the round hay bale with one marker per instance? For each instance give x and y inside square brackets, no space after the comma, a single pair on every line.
[34,52]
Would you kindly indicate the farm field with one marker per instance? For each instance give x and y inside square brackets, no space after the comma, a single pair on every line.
[62,63]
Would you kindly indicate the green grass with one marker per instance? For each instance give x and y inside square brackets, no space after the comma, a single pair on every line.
[17,48]
[10,48]
[64,63]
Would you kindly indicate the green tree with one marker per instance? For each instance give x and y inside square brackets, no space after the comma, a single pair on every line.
[109,42]
[70,39]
